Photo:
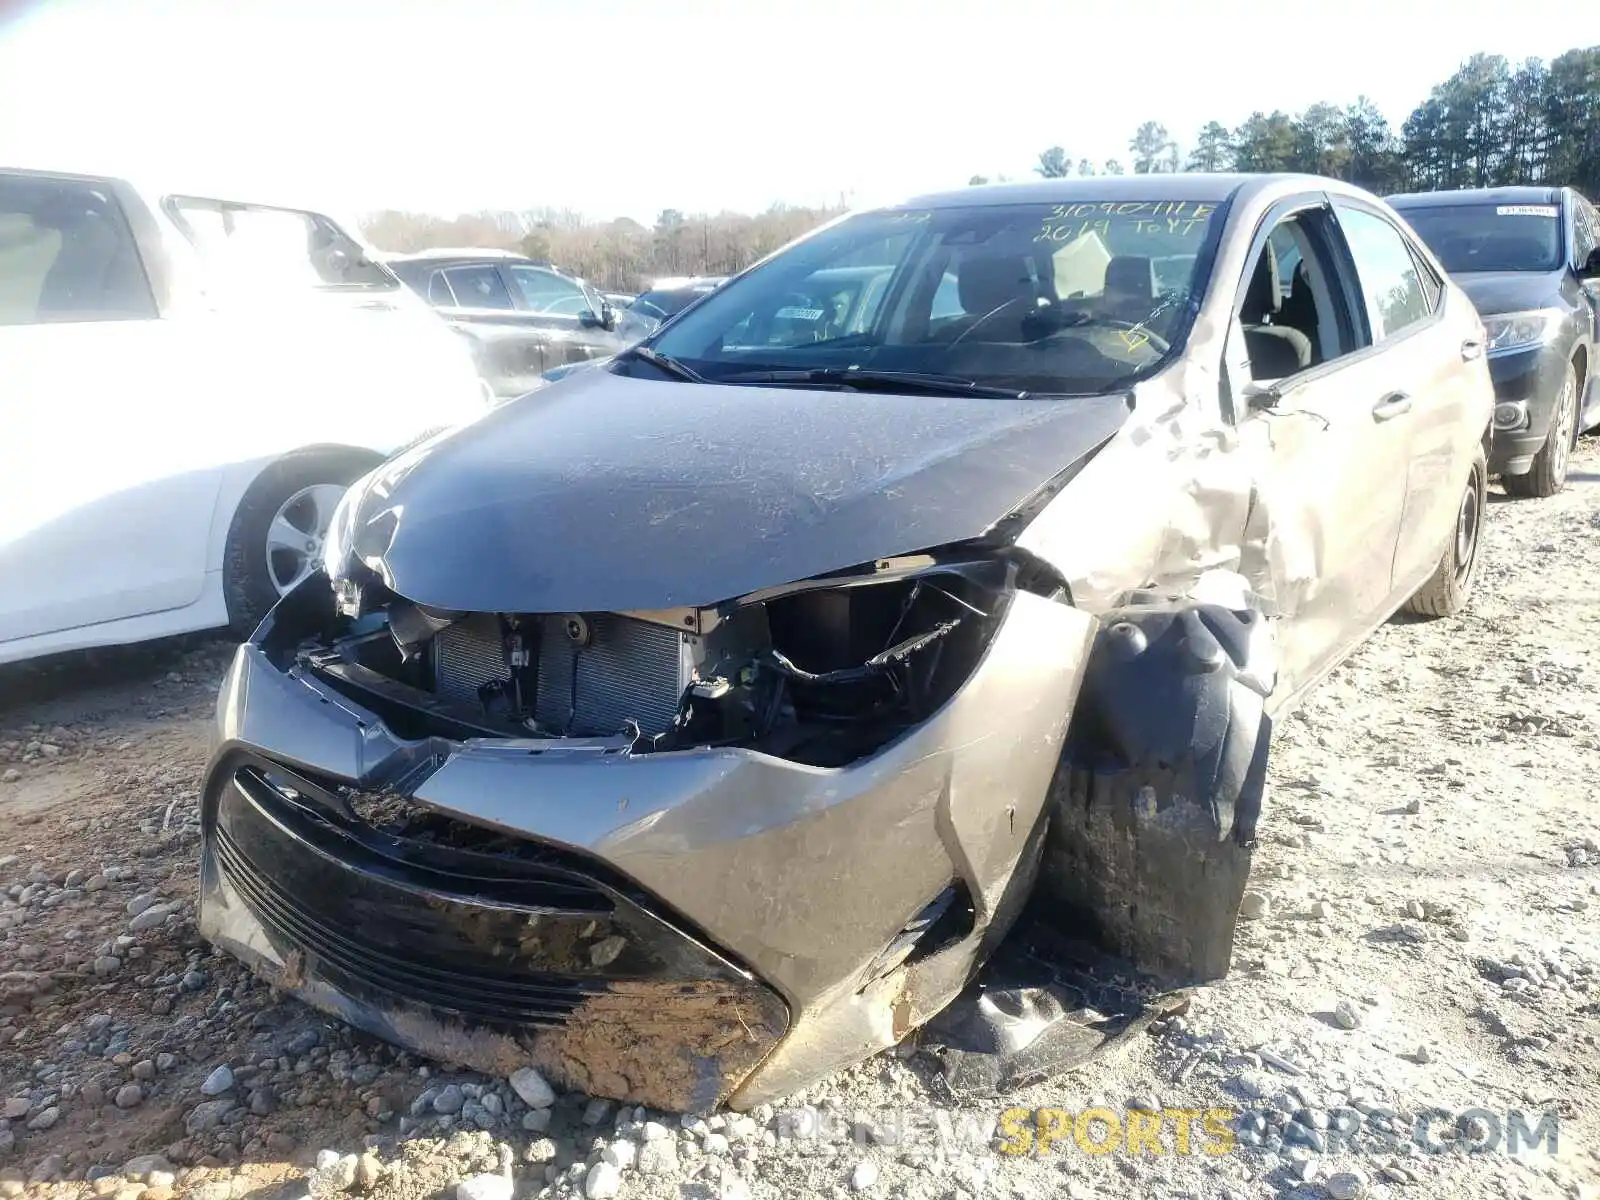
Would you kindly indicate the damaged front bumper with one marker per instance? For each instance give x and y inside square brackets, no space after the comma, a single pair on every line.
[476,956]
[680,929]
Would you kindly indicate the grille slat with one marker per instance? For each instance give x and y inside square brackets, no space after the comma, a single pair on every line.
[515,998]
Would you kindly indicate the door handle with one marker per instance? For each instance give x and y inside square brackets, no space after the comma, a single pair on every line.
[1391,406]
[1471,349]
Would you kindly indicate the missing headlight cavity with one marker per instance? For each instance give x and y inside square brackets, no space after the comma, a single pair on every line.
[822,674]
[849,668]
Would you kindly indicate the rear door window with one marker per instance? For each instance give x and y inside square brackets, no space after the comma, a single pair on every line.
[546,292]
[67,254]
[1390,280]
[1585,231]
[439,293]
[478,287]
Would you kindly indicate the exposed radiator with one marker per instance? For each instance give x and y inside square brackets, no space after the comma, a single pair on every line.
[466,656]
[628,670]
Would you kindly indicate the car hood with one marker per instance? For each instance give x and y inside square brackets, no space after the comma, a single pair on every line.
[1493,292]
[605,493]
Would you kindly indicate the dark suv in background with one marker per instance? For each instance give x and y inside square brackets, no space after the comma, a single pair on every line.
[1529,258]
[522,317]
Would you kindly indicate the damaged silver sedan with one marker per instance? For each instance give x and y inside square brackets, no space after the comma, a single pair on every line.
[702,723]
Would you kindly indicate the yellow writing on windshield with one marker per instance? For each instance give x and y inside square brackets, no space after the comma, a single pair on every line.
[1143,208]
[1068,222]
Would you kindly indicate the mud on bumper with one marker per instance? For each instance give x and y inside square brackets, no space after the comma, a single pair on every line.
[474,949]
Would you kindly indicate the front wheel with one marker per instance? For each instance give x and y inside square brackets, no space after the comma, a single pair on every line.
[1450,588]
[1548,475]
[277,533]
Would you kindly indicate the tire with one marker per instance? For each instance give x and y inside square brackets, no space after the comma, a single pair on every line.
[1548,474]
[300,488]
[1450,588]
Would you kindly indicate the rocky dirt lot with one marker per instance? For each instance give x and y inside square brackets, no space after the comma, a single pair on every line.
[1422,946]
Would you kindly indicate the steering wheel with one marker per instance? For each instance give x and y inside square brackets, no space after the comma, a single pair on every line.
[986,318]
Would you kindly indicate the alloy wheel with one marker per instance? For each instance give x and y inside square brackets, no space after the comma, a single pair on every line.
[297,532]
[1561,432]
[1468,520]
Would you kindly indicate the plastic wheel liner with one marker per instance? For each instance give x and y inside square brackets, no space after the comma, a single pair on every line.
[1152,818]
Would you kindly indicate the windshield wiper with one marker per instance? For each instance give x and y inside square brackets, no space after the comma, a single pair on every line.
[664,363]
[859,379]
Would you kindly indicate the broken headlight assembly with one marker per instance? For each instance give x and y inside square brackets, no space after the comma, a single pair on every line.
[835,672]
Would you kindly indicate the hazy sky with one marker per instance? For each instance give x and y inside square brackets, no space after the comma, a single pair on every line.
[624,107]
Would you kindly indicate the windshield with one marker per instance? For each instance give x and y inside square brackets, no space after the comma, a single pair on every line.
[1490,237]
[663,304]
[1058,298]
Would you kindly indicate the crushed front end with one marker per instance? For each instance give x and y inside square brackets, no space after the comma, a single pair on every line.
[682,858]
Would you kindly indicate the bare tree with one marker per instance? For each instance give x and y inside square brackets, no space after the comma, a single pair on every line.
[620,255]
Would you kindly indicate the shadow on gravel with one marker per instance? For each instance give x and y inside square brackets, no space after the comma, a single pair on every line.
[60,676]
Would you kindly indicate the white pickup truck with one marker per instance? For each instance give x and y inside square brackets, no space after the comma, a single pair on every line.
[187,386]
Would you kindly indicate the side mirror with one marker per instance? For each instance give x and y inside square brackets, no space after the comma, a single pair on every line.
[1591,268]
[605,319]
[1258,396]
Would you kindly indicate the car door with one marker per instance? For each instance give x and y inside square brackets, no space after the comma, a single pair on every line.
[1432,360]
[96,523]
[1332,444]
[1585,240]
[565,309]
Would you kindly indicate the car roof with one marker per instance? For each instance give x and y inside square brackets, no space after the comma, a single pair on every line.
[678,288]
[156,188]
[858,272]
[481,253]
[1491,195]
[422,260]
[677,283]
[1182,186]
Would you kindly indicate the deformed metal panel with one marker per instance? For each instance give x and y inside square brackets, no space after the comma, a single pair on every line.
[784,861]
[613,494]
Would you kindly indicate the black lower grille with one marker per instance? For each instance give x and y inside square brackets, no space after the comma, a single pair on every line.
[504,931]
[505,997]
[472,946]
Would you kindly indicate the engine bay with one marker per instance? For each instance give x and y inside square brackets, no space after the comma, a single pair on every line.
[821,673]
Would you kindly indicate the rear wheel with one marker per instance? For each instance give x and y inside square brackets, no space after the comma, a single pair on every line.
[277,533]
[1450,587]
[1549,472]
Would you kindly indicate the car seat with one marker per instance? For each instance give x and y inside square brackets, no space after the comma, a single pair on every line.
[987,284]
[1299,311]
[1129,289]
[1275,350]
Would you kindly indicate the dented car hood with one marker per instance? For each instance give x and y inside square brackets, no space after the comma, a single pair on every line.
[605,493]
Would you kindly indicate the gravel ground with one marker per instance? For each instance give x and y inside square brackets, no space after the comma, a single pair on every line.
[1423,940]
